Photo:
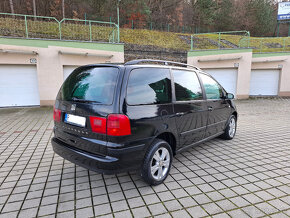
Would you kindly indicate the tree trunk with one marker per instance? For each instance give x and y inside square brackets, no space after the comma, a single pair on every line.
[63,9]
[34,9]
[11,6]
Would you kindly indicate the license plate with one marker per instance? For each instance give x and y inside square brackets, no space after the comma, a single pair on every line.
[75,120]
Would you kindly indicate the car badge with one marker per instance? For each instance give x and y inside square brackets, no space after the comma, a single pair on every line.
[73,107]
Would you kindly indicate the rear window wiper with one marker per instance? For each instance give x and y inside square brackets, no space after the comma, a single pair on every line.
[84,100]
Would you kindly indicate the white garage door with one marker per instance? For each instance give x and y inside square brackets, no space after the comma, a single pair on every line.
[264,82]
[18,85]
[67,70]
[226,77]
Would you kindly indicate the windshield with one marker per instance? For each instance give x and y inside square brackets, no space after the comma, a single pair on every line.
[90,85]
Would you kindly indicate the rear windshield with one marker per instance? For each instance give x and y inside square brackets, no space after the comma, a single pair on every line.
[90,85]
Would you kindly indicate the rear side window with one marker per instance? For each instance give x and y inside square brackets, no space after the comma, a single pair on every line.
[149,86]
[187,86]
[93,84]
[212,88]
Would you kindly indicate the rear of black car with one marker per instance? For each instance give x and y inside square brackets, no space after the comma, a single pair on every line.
[89,129]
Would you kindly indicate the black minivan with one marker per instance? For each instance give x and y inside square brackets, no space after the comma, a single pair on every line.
[111,118]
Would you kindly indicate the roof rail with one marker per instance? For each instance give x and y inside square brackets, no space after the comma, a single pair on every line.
[137,61]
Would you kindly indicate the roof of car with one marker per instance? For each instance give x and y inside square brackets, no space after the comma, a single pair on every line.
[160,62]
[149,63]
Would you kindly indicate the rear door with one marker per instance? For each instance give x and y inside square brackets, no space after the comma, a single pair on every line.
[218,109]
[88,92]
[149,102]
[189,106]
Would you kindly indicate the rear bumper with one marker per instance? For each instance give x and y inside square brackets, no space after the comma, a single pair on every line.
[118,159]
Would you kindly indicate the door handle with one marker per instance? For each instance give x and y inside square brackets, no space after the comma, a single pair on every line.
[179,114]
[210,108]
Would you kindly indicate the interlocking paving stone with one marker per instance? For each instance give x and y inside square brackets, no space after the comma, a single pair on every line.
[197,211]
[238,213]
[187,202]
[123,214]
[180,213]
[157,209]
[141,212]
[248,176]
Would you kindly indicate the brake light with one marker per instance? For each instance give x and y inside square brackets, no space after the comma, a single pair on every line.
[113,125]
[118,125]
[56,114]
[98,124]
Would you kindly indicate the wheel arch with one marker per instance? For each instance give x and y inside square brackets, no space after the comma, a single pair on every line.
[170,139]
[235,114]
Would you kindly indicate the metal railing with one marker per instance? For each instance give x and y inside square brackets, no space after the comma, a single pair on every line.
[239,39]
[30,26]
[269,44]
[218,40]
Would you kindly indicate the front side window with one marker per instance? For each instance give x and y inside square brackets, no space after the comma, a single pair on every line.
[187,86]
[149,86]
[212,88]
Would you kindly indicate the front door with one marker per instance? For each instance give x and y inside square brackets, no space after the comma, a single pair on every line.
[189,107]
[218,108]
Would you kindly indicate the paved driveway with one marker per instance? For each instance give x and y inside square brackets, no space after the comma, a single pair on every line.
[248,176]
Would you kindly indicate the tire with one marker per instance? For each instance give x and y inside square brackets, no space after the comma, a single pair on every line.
[230,130]
[153,171]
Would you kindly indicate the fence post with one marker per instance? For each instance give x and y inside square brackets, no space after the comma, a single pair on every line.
[191,42]
[26,28]
[278,29]
[59,29]
[249,39]
[110,21]
[182,29]
[132,24]
[261,46]
[90,31]
[150,25]
[289,30]
[114,36]
[219,40]
[167,27]
[284,44]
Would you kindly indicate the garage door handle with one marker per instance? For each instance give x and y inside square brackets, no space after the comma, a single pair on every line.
[210,108]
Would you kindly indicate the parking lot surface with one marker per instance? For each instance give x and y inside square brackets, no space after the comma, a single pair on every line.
[246,177]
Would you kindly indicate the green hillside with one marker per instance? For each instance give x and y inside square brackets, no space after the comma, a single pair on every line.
[10,27]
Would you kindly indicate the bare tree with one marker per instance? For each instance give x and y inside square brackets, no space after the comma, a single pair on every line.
[63,9]
[34,9]
[11,6]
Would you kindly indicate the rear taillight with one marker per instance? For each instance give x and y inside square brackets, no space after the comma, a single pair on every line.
[98,124]
[56,114]
[118,125]
[113,125]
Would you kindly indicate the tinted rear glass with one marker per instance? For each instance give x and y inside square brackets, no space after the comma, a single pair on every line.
[93,84]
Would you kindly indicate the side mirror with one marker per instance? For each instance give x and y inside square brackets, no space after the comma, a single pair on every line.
[230,96]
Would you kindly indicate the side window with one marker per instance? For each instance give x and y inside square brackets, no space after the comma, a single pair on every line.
[149,86]
[187,86]
[212,88]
